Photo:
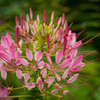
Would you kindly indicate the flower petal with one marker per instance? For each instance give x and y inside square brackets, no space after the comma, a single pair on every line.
[76,44]
[19,73]
[38,56]
[17,55]
[54,91]
[43,73]
[65,91]
[29,54]
[4,74]
[65,63]
[77,60]
[65,74]
[59,56]
[26,76]
[41,64]
[48,58]
[24,61]
[57,77]
[73,78]
[12,52]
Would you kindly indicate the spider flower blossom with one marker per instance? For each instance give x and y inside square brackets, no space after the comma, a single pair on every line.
[44,42]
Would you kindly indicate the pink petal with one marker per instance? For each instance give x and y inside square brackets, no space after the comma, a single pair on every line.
[29,54]
[24,61]
[58,86]
[26,76]
[48,58]
[4,74]
[38,80]
[41,64]
[43,73]
[54,91]
[65,91]
[40,86]
[9,39]
[59,56]
[2,48]
[47,66]
[77,60]
[81,64]
[30,85]
[73,39]
[17,55]
[12,52]
[73,69]
[65,74]
[57,77]
[49,80]
[76,44]
[5,42]
[5,57]
[73,78]
[19,73]
[26,27]
[65,63]
[38,56]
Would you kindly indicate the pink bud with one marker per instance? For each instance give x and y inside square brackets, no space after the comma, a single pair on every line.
[17,34]
[57,20]
[45,17]
[63,18]
[52,16]
[31,14]
[27,18]
[17,21]
[21,21]
[48,41]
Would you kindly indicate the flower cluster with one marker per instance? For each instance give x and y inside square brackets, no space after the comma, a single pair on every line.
[44,55]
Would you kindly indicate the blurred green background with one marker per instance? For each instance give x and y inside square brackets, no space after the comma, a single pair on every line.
[85,14]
